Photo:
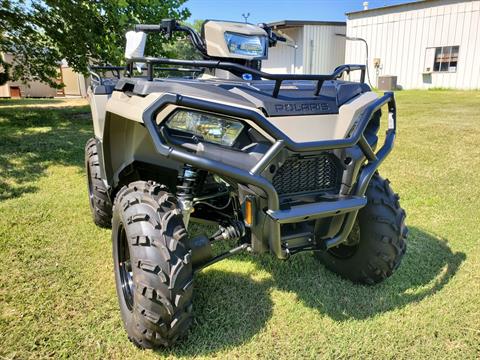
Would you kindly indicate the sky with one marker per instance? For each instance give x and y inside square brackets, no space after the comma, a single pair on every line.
[272,10]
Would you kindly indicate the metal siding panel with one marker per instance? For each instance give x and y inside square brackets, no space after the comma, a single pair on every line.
[392,29]
[311,49]
[322,45]
[299,52]
[325,48]
[400,40]
[402,54]
[359,50]
[444,30]
[376,42]
[316,47]
[340,45]
[474,82]
[427,37]
[477,47]
[454,38]
[469,6]
[463,63]
[465,50]
[306,50]
[328,49]
[459,19]
[410,38]
[419,55]
[450,24]
[381,48]
[430,38]
[282,57]
[376,51]
[449,38]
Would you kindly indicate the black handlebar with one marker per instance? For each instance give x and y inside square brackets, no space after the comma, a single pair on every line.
[168,26]
[273,37]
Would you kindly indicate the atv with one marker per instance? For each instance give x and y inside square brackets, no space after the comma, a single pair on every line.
[278,163]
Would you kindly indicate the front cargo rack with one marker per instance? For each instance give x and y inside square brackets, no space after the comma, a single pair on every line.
[96,71]
[151,62]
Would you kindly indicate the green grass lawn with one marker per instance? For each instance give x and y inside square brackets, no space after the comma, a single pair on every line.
[57,295]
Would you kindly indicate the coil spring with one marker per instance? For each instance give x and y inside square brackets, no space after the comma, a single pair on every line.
[186,183]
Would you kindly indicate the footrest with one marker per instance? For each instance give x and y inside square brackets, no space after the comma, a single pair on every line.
[299,213]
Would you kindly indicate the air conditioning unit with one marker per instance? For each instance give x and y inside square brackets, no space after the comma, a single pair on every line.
[387,82]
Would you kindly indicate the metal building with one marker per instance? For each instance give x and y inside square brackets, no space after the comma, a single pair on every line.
[430,43]
[313,47]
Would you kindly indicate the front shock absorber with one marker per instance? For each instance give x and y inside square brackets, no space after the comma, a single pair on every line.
[185,191]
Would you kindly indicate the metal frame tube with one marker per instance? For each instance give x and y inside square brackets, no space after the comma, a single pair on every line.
[268,157]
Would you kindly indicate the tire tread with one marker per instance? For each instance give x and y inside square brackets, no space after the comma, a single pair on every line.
[163,273]
[101,206]
[381,252]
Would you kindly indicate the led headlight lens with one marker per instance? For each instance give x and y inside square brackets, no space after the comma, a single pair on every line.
[249,45]
[211,128]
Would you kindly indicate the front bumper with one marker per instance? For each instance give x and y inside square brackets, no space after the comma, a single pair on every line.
[349,206]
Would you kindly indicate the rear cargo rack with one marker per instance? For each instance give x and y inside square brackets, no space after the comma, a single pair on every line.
[151,62]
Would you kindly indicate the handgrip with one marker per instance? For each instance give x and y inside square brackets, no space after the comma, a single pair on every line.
[148,28]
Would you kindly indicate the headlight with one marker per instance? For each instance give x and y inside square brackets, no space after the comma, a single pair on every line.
[249,45]
[211,128]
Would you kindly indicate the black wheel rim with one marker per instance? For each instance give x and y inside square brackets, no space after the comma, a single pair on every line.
[125,269]
[90,185]
[350,247]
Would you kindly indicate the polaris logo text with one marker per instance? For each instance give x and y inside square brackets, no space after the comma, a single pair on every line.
[301,107]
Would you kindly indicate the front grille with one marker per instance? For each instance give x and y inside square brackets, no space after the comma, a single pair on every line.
[322,173]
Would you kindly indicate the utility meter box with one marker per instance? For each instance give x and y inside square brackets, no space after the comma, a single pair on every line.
[387,82]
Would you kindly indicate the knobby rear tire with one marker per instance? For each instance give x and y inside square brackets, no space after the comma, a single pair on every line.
[100,204]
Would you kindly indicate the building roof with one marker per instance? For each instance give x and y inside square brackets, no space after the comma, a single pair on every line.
[388,7]
[292,23]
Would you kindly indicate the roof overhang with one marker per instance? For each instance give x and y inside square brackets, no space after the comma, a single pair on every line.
[298,23]
[388,7]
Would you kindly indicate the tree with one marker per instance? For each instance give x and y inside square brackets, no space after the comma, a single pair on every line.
[41,33]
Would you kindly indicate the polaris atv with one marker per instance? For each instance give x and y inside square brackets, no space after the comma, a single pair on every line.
[277,163]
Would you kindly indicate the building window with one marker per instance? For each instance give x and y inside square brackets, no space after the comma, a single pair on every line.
[441,59]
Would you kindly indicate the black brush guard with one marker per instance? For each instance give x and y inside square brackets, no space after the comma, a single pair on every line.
[348,205]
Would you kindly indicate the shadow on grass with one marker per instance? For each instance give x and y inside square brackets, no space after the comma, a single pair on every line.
[428,265]
[230,308]
[31,139]
[31,101]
